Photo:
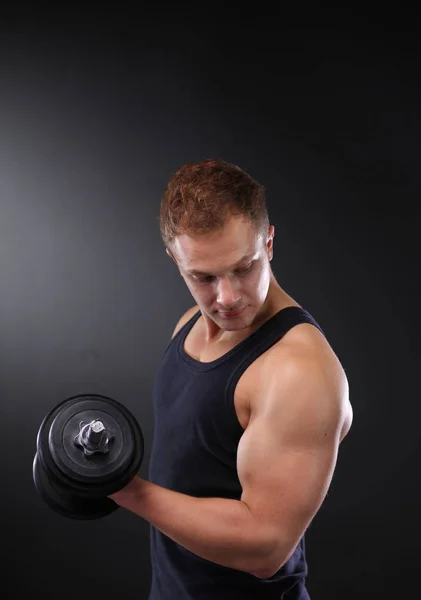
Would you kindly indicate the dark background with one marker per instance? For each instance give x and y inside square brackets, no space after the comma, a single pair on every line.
[95,115]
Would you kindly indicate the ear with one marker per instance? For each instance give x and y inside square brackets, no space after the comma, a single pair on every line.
[269,242]
[170,254]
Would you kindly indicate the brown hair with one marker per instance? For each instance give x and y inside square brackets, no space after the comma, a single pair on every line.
[201,196]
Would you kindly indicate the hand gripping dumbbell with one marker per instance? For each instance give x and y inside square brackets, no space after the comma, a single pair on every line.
[87,448]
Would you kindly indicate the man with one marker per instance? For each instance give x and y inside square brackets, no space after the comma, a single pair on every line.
[250,403]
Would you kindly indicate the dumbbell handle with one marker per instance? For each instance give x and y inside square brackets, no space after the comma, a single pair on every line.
[93,437]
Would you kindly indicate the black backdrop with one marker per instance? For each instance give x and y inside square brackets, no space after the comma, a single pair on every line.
[94,118]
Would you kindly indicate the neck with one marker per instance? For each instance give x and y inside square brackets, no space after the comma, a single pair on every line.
[276,300]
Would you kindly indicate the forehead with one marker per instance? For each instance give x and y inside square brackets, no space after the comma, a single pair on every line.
[217,249]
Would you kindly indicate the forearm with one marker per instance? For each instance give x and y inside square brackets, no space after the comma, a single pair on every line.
[217,529]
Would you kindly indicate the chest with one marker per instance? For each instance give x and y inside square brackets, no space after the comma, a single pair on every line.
[247,389]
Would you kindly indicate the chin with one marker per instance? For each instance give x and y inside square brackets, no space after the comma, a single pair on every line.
[234,324]
[232,327]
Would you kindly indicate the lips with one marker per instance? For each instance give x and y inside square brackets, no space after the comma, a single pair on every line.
[231,313]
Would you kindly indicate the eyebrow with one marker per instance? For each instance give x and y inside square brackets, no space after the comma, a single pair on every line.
[237,264]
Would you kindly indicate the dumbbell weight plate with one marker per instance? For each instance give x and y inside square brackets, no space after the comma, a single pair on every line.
[66,475]
[66,505]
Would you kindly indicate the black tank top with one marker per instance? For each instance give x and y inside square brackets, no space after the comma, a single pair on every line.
[194,452]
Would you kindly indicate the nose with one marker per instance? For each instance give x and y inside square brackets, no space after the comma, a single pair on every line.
[228,294]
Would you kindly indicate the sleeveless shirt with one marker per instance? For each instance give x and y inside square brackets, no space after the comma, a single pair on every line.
[194,452]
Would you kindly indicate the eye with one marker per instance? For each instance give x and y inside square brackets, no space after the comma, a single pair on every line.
[209,278]
[244,270]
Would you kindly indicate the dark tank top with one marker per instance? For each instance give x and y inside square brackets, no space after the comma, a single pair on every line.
[194,452]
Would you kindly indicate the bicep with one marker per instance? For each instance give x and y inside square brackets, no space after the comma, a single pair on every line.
[283,485]
[286,459]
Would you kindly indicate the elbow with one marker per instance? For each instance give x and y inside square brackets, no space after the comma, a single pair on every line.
[265,572]
[272,550]
[269,563]
[268,569]
[272,559]
[262,574]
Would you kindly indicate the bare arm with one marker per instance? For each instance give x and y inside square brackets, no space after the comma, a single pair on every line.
[217,529]
[287,455]
[286,459]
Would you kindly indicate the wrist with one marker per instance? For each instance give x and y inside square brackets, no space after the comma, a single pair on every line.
[130,494]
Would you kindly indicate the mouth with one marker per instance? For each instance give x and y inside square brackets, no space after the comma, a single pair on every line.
[231,314]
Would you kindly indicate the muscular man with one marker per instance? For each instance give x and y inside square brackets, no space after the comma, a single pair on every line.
[250,404]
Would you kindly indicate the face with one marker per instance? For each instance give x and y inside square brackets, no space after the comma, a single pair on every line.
[227,271]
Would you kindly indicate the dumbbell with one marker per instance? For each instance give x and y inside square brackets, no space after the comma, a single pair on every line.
[87,447]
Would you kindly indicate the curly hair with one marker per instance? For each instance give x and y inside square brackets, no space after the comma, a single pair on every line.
[200,197]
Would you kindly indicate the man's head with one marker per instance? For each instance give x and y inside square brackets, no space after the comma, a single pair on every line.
[215,226]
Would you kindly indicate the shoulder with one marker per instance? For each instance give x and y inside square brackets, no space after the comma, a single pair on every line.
[303,375]
[184,319]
